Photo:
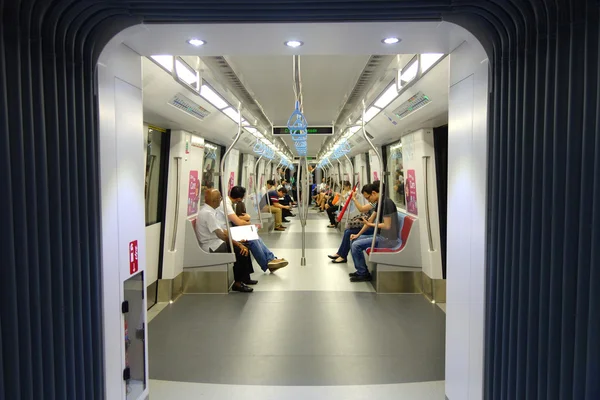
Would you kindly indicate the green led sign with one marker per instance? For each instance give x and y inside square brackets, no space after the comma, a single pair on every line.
[311,130]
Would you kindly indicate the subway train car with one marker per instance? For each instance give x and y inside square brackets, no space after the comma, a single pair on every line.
[298,200]
[344,135]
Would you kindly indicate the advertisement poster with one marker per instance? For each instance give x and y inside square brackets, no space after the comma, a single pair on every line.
[375,176]
[193,193]
[411,192]
[231,181]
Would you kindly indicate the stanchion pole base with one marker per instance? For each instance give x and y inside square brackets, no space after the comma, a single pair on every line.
[303,261]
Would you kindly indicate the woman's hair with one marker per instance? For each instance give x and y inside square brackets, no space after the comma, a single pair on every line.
[347,184]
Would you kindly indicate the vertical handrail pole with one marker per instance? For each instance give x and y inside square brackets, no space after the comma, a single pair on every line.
[380,199]
[427,216]
[353,183]
[303,206]
[177,190]
[223,160]
[256,192]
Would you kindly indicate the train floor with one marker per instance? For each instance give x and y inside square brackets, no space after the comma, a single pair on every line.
[305,333]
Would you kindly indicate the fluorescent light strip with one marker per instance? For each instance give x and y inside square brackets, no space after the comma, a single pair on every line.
[411,72]
[371,113]
[428,59]
[387,97]
[213,97]
[186,74]
[231,113]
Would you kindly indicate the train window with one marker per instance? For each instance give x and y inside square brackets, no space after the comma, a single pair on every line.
[152,192]
[210,172]
[396,168]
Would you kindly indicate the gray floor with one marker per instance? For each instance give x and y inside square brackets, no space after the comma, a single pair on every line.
[298,338]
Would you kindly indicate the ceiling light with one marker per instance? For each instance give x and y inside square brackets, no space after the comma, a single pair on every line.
[391,40]
[252,130]
[231,113]
[294,43]
[196,42]
[408,74]
[165,61]
[387,97]
[428,59]
[212,97]
[185,73]
[370,113]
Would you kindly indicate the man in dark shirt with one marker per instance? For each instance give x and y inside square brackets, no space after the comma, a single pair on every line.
[387,236]
[270,203]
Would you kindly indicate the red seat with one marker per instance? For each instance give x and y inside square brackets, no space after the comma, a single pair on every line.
[408,222]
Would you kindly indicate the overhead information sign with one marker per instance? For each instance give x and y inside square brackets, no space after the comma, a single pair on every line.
[311,130]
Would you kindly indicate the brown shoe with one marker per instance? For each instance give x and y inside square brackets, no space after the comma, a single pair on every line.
[276,264]
[280,228]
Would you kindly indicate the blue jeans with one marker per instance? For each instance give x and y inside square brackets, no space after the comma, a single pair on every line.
[345,246]
[261,253]
[358,246]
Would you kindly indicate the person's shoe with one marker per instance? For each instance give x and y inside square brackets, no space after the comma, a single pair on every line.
[276,264]
[292,215]
[361,278]
[340,260]
[285,221]
[241,288]
[351,274]
[334,257]
[280,228]
[331,226]
[250,282]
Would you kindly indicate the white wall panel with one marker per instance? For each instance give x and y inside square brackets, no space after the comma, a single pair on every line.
[467,169]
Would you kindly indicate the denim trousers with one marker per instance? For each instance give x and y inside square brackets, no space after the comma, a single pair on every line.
[260,252]
[345,246]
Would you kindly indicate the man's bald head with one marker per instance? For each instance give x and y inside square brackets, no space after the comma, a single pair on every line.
[212,197]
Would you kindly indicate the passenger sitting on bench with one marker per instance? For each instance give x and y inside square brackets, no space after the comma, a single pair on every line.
[263,256]
[332,208]
[213,237]
[388,234]
[270,203]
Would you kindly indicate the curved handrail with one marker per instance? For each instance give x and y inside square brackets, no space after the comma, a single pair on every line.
[380,199]
[256,192]
[223,160]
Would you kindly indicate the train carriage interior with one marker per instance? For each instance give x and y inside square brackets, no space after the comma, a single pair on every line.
[327,128]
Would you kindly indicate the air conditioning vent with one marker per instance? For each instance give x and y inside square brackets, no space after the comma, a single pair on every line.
[186,105]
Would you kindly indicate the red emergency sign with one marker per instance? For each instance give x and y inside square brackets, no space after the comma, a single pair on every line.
[133,257]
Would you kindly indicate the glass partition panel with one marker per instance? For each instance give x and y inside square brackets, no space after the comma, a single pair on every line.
[396,168]
[153,175]
[135,336]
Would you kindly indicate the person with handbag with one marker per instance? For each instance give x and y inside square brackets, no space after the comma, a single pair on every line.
[355,225]
[335,202]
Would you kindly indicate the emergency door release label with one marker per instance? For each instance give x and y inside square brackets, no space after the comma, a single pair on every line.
[133,257]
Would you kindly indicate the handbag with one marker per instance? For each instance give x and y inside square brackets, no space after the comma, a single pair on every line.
[356,221]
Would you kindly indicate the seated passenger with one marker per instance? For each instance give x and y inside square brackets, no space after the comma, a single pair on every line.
[212,235]
[332,208]
[270,203]
[356,224]
[263,256]
[387,236]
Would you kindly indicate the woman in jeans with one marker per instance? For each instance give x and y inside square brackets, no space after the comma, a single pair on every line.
[368,193]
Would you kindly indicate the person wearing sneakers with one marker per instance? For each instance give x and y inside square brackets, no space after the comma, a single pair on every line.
[263,256]
[270,203]
[213,238]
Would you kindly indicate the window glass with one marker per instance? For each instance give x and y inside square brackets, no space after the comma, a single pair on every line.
[152,190]
[210,171]
[396,168]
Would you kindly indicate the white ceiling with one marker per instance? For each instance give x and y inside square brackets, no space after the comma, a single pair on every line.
[326,84]
[331,61]
[267,39]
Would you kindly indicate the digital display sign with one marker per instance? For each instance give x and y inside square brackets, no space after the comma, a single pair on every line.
[311,130]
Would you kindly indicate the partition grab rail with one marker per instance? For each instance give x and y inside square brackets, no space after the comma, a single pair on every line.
[256,192]
[380,198]
[177,190]
[222,177]
[302,178]
[427,216]
[353,183]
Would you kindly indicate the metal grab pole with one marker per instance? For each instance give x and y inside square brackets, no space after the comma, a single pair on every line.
[302,205]
[177,190]
[425,168]
[235,139]
[379,200]
[256,193]
[353,183]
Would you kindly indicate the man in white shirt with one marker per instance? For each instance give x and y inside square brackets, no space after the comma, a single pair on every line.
[212,235]
[263,256]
